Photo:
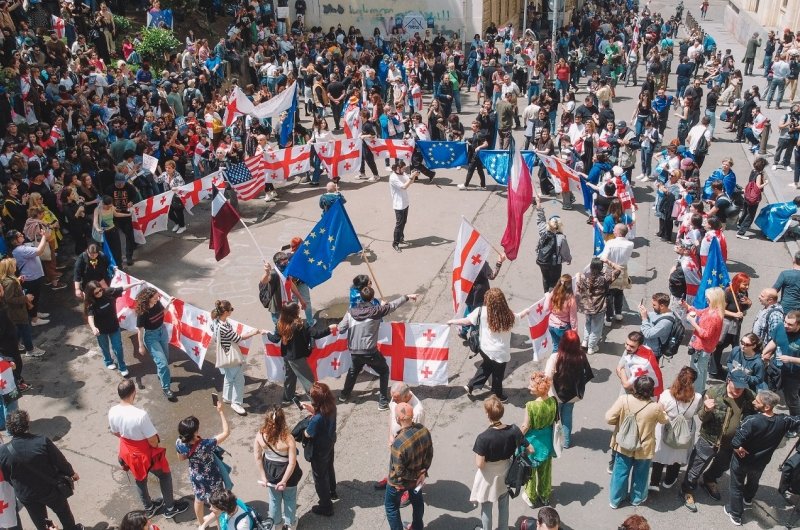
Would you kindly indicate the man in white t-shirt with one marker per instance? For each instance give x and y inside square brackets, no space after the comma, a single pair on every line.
[139,451]
[398,184]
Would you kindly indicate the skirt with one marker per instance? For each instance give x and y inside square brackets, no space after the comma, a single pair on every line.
[489,483]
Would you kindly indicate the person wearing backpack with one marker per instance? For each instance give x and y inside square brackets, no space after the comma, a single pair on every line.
[723,408]
[553,249]
[635,417]
[657,324]
[698,140]
[232,513]
[753,192]
[770,317]
[753,445]
[673,439]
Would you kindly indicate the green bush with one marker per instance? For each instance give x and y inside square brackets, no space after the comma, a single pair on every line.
[122,24]
[156,45]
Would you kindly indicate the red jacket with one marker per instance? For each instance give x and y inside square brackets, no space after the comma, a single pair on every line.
[140,457]
[707,337]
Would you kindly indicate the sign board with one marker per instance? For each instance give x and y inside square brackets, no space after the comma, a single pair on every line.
[414,22]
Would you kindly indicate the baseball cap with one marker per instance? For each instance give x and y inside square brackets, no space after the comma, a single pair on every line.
[119,178]
[621,124]
[738,378]
[687,163]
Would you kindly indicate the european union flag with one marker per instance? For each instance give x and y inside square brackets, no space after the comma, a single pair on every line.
[328,244]
[497,164]
[287,125]
[773,219]
[715,274]
[599,242]
[443,154]
[112,264]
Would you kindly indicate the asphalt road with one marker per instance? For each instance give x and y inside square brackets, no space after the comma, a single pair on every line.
[73,391]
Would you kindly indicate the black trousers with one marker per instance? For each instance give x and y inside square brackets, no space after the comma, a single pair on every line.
[324,475]
[489,368]
[475,165]
[125,226]
[37,510]
[614,300]
[550,276]
[400,218]
[706,460]
[665,227]
[336,109]
[658,470]
[176,214]
[724,341]
[377,362]
[744,485]
[746,218]
[368,158]
[33,287]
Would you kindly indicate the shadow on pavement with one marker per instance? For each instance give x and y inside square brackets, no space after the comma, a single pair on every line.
[450,496]
[54,428]
[568,492]
[592,438]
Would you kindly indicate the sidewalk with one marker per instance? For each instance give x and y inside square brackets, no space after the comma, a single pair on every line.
[778,189]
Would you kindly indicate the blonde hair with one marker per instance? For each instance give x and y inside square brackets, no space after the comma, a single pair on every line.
[35,199]
[8,268]
[555,224]
[716,300]
[169,163]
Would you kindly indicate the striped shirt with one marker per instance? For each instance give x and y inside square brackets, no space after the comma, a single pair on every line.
[226,335]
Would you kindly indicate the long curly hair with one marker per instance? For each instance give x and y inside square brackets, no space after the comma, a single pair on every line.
[562,292]
[143,299]
[682,388]
[274,427]
[500,318]
[289,322]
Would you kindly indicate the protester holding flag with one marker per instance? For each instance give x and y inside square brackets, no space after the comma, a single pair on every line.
[368,131]
[174,180]
[271,293]
[478,142]
[105,217]
[563,310]
[225,337]
[319,134]
[707,324]
[152,334]
[296,338]
[569,369]
[552,251]
[494,320]
[737,302]
[100,311]
[479,288]
[91,266]
[398,184]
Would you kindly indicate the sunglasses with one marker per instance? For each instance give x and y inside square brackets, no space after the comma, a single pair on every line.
[746,344]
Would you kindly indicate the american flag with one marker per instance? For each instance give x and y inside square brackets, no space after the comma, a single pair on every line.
[247,178]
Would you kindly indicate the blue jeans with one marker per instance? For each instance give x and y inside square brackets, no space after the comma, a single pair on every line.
[566,410]
[628,468]
[751,136]
[767,64]
[233,384]
[115,339]
[392,504]
[562,87]
[712,121]
[502,513]
[437,89]
[593,330]
[317,168]
[647,160]
[533,90]
[25,335]
[305,292]
[556,334]
[288,498]
[639,126]
[699,362]
[5,410]
[681,87]
[157,343]
[777,85]
[457,99]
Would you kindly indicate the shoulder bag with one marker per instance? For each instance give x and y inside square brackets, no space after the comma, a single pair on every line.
[558,432]
[474,336]
[519,472]
[226,358]
[63,483]
[275,470]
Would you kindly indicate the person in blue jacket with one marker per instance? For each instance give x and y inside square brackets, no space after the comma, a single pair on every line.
[599,168]
[726,175]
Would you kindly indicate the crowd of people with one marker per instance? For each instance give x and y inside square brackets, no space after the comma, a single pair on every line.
[82,111]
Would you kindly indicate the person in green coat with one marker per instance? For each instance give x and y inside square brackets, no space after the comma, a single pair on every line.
[540,415]
[750,53]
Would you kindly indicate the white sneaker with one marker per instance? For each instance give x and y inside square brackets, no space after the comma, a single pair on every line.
[111,366]
[618,318]
[361,176]
[238,409]
[274,194]
[180,230]
[35,352]
[42,315]
[461,187]
[774,167]
[590,351]
[606,322]
[268,197]
[372,179]
[39,322]
[583,344]
[789,169]
[175,228]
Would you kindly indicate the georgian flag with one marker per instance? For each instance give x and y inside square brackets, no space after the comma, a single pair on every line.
[538,325]
[58,26]
[126,304]
[417,354]
[330,357]
[643,363]
[238,104]
[150,216]
[284,163]
[423,133]
[402,149]
[194,192]
[7,384]
[341,158]
[352,121]
[705,246]
[472,250]
[564,177]
[190,332]
[8,504]
[273,360]
[245,345]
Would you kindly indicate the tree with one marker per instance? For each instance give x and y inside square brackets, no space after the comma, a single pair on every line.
[156,45]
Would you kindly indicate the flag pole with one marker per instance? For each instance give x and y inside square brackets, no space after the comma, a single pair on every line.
[371,272]
[224,173]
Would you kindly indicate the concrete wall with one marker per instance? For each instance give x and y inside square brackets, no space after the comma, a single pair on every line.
[742,19]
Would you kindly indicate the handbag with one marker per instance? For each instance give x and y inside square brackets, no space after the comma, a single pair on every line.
[519,473]
[63,483]
[474,336]
[558,433]
[46,254]
[227,358]
[275,470]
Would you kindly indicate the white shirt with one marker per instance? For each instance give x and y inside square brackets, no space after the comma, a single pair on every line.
[399,194]
[695,133]
[494,345]
[416,405]
[617,250]
[130,422]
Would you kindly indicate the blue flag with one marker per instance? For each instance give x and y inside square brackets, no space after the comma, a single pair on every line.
[530,159]
[443,154]
[287,126]
[599,242]
[715,274]
[112,264]
[773,219]
[497,164]
[328,244]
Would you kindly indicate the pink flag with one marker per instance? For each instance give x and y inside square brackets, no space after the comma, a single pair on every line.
[284,163]
[472,250]
[341,158]
[520,197]
[538,325]
[417,353]
[401,149]
[150,216]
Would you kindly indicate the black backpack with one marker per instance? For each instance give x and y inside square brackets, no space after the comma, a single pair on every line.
[669,347]
[547,249]
[677,283]
[790,472]
[702,146]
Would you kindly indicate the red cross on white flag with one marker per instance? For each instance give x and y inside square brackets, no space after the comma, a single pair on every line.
[472,251]
[190,330]
[330,356]
[194,192]
[150,216]
[285,163]
[126,303]
[538,322]
[273,360]
[352,121]
[413,358]
[402,149]
[8,504]
[564,177]
[7,384]
[341,158]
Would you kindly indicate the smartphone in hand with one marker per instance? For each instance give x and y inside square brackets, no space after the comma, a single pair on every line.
[214,398]
[296,401]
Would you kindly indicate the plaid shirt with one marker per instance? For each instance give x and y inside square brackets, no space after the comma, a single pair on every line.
[412,452]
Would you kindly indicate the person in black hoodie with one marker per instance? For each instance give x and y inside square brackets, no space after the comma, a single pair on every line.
[363,322]
[295,337]
[753,444]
